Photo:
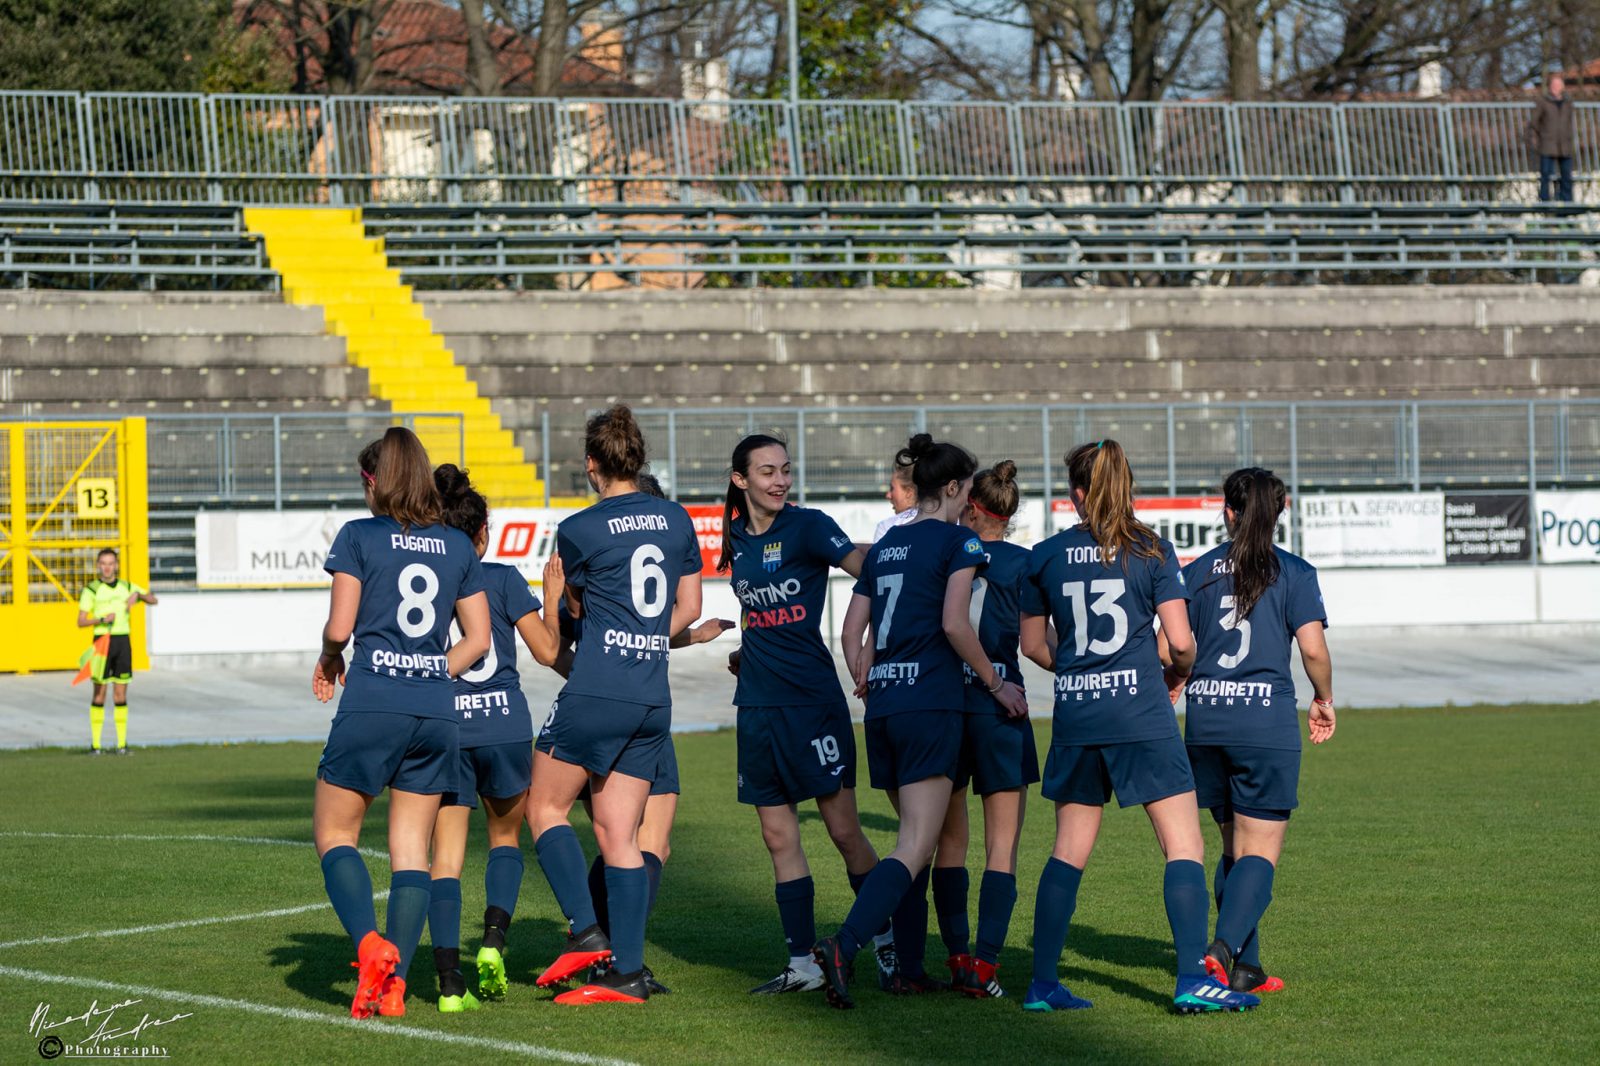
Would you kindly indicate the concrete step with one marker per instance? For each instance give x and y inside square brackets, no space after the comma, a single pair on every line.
[186,350]
[137,317]
[136,384]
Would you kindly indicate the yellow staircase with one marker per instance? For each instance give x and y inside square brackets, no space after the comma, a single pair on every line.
[327,260]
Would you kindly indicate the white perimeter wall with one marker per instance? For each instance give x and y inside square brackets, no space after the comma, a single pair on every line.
[275,622]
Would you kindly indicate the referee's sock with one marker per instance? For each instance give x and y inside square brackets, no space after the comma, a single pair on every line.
[444,912]
[97,723]
[1052,914]
[1244,901]
[1183,887]
[950,887]
[911,927]
[880,892]
[997,896]
[561,858]
[344,873]
[409,897]
[119,714]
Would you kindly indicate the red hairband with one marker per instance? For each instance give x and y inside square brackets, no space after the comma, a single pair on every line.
[368,478]
[976,506]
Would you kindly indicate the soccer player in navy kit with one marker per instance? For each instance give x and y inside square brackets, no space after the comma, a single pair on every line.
[1103,582]
[398,579]
[632,567]
[915,591]
[496,742]
[1250,599]
[796,741]
[998,755]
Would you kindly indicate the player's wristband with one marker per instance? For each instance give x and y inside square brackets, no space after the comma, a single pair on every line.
[331,648]
[1322,703]
[999,683]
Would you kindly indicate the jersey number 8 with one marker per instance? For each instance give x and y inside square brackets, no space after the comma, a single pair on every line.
[415,600]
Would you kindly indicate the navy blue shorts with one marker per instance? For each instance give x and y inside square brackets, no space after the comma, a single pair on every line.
[903,749]
[997,753]
[608,736]
[664,783]
[499,771]
[791,754]
[1138,771]
[1237,779]
[368,751]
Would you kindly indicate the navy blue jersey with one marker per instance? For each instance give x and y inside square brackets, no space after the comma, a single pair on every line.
[410,582]
[914,668]
[1241,691]
[625,555]
[1109,687]
[997,619]
[489,695]
[781,579]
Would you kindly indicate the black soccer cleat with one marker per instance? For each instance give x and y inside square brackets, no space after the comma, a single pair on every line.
[1219,963]
[611,987]
[836,971]
[656,987]
[1247,978]
[582,951]
[905,985]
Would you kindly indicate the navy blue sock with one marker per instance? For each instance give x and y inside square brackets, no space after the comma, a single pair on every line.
[561,858]
[597,894]
[410,893]
[629,893]
[797,912]
[997,895]
[1245,900]
[1052,914]
[1183,887]
[856,881]
[876,899]
[502,878]
[652,870]
[1219,877]
[350,891]
[444,912]
[911,927]
[950,885]
[1250,953]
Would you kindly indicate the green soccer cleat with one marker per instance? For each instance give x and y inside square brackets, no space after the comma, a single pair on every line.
[492,982]
[458,1004]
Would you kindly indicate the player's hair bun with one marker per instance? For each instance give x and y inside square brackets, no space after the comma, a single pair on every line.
[916,449]
[1005,471]
[451,481]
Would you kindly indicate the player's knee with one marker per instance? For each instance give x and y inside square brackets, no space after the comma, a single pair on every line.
[781,838]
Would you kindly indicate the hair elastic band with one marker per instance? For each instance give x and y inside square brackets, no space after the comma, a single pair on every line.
[368,478]
[976,506]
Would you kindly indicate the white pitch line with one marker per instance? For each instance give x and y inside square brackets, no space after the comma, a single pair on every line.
[371,853]
[187,923]
[376,1025]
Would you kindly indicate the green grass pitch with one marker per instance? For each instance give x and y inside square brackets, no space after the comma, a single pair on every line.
[1437,903]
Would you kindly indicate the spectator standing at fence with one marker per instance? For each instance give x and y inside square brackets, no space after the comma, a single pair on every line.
[104,604]
[1550,133]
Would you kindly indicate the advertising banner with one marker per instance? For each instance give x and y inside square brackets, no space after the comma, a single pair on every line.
[265,549]
[1373,529]
[1193,524]
[1569,526]
[1486,528]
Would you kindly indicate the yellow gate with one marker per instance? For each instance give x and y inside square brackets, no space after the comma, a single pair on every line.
[69,490]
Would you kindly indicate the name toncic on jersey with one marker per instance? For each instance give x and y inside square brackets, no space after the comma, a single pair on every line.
[1226,693]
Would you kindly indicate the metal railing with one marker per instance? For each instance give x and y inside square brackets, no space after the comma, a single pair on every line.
[1175,449]
[225,148]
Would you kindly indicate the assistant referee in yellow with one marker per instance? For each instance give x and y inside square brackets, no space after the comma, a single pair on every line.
[104,605]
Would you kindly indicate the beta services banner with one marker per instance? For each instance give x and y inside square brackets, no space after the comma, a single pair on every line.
[1373,529]
[1569,526]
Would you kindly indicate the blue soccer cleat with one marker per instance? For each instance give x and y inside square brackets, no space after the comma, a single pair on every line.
[1052,995]
[1202,995]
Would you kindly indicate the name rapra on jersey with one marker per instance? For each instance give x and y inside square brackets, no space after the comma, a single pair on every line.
[781,579]
[996,618]
[624,556]
[488,696]
[1242,691]
[1108,686]
[914,668]
[410,582]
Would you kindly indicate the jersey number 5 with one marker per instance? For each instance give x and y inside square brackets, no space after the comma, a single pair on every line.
[1232,621]
[1106,593]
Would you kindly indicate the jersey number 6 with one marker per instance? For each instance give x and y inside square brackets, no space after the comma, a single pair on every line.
[645,571]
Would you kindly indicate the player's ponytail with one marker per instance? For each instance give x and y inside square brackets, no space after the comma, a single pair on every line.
[402,482]
[460,505]
[1256,497]
[616,444]
[934,464]
[736,507]
[994,492]
[1101,471]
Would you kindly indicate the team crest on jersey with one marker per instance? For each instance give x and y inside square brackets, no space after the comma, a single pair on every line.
[974,548]
[772,556]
